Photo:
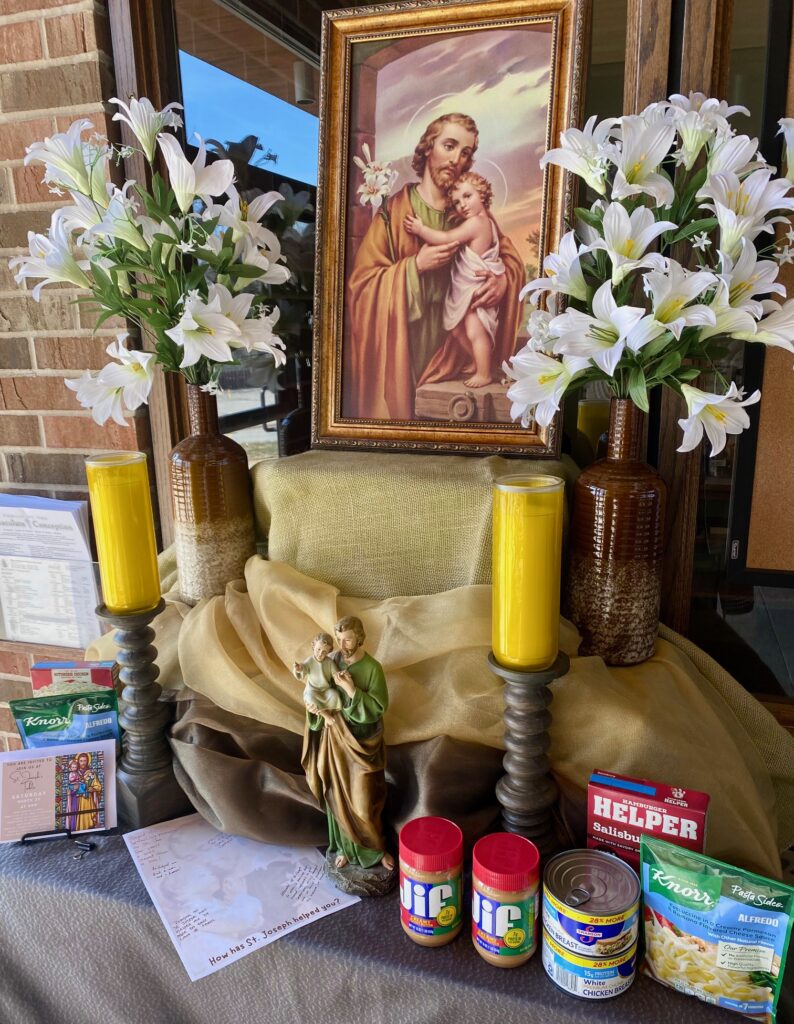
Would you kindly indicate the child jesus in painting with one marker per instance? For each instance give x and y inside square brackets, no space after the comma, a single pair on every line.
[471,197]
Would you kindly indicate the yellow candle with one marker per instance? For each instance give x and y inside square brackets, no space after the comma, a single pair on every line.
[121,507]
[527,548]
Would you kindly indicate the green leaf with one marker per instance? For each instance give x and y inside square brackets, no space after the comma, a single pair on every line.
[694,228]
[638,389]
[594,220]
[688,373]
[667,365]
[244,270]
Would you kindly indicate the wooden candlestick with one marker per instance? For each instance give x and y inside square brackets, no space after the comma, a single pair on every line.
[527,792]
[146,788]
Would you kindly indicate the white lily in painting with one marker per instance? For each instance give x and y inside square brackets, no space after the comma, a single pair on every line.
[540,383]
[672,292]
[563,270]
[601,337]
[776,329]
[72,162]
[581,151]
[379,179]
[146,122]
[643,148]
[748,277]
[203,330]
[742,208]
[51,258]
[626,237]
[718,415]
[196,179]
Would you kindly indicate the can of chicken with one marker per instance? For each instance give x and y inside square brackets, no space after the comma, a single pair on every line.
[591,903]
[588,977]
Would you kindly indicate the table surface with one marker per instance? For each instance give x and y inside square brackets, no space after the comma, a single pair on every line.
[81,942]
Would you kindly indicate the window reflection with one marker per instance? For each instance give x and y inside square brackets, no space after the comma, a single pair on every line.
[253,98]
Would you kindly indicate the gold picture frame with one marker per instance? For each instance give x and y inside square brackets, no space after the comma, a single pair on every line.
[485,88]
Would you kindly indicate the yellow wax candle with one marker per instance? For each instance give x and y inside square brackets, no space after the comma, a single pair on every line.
[121,507]
[527,548]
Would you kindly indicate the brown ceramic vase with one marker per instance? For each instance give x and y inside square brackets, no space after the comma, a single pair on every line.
[615,569]
[211,497]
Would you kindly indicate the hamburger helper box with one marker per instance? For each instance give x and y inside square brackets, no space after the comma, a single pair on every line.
[56,677]
[621,809]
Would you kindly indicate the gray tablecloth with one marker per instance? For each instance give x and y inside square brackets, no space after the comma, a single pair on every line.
[81,942]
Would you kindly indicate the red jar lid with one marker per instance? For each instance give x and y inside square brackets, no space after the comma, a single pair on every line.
[431,844]
[506,862]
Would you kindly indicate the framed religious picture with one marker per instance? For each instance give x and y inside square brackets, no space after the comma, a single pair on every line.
[433,211]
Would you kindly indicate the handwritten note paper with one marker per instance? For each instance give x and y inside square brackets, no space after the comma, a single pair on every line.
[221,897]
[70,786]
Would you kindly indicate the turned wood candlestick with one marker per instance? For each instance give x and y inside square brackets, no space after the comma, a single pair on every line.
[527,792]
[146,788]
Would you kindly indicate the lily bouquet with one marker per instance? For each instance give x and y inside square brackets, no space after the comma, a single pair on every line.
[675,178]
[169,259]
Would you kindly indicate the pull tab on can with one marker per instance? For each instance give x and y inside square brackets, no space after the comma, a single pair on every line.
[576,897]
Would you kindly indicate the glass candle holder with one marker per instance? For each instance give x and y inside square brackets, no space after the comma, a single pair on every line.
[527,551]
[121,507]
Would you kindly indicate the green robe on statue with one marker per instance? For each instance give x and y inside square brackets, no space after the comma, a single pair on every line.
[344,764]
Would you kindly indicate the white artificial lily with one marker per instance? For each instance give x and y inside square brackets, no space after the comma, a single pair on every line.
[694,131]
[86,213]
[540,383]
[563,270]
[51,258]
[146,122]
[727,320]
[627,237]
[715,111]
[776,329]
[119,221]
[104,400]
[541,337]
[742,207]
[235,307]
[585,231]
[672,292]
[196,179]
[72,162]
[660,112]
[643,147]
[718,415]
[133,372]
[748,277]
[272,272]
[646,330]
[601,337]
[257,335]
[786,129]
[582,152]
[243,218]
[203,330]
[733,154]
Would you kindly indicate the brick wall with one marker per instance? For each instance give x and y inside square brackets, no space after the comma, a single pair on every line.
[55,66]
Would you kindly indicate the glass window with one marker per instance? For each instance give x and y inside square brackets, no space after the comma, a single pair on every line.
[251,91]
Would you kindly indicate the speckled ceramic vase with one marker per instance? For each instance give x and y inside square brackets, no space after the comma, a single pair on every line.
[211,498]
[615,569]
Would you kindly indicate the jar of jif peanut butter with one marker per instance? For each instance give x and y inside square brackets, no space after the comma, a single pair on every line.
[504,908]
[431,862]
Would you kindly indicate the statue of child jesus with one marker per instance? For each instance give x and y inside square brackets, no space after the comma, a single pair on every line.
[317,672]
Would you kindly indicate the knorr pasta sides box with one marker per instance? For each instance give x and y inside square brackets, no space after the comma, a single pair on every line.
[54,677]
[621,809]
[714,931]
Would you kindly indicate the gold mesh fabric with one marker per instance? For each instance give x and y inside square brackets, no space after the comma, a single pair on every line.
[376,524]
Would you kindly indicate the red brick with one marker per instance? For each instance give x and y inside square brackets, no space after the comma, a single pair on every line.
[103,124]
[39,393]
[14,353]
[28,186]
[77,432]
[17,6]
[70,35]
[7,723]
[19,432]
[14,226]
[15,689]
[15,136]
[50,467]
[20,314]
[60,85]
[12,743]
[13,663]
[71,353]
[19,42]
